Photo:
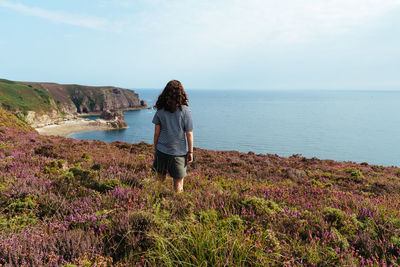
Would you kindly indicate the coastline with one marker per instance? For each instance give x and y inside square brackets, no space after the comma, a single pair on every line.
[79,124]
[83,115]
[72,126]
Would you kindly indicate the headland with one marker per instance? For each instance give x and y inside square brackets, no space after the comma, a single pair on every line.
[56,109]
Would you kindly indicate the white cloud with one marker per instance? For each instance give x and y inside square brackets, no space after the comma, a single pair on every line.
[233,23]
[91,22]
[226,23]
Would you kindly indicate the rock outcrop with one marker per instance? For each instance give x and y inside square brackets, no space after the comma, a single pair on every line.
[115,119]
[37,119]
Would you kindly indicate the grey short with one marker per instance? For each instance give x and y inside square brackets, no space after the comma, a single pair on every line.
[174,165]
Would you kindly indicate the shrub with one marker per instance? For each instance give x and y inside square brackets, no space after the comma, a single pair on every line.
[20,205]
[86,156]
[105,185]
[202,244]
[47,151]
[96,166]
[355,173]
[38,247]
[270,240]
[17,223]
[261,206]
[231,223]
[346,224]
[127,237]
[208,217]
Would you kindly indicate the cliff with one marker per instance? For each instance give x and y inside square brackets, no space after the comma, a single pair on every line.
[46,103]
[79,99]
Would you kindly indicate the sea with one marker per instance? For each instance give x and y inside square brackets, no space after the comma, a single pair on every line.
[358,126]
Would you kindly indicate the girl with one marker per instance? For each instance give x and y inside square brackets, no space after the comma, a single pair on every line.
[173,134]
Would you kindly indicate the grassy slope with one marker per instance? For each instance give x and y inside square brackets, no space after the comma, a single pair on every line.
[10,123]
[80,202]
[16,96]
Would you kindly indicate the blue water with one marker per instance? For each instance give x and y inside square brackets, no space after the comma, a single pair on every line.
[91,117]
[360,126]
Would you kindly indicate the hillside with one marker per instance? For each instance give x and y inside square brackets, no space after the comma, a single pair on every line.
[66,201]
[16,96]
[46,103]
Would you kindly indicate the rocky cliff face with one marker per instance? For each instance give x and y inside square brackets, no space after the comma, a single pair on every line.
[115,119]
[39,119]
[118,98]
[78,99]
[41,104]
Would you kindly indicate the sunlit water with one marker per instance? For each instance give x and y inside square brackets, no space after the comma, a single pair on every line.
[360,126]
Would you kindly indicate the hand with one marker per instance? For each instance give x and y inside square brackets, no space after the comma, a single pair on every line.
[189,157]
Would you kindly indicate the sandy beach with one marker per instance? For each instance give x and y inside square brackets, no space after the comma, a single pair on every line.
[67,127]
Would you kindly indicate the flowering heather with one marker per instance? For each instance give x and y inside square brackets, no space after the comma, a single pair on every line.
[66,202]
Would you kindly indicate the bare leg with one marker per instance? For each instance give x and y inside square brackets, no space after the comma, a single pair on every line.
[178,184]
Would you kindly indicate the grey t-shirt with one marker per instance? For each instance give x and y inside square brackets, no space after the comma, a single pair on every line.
[172,138]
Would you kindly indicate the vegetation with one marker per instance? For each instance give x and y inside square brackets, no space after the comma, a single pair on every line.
[21,98]
[52,102]
[79,203]
[9,122]
[83,96]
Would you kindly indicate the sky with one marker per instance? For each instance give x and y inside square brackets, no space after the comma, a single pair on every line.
[206,44]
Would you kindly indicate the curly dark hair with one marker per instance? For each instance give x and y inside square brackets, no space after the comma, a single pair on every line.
[172,97]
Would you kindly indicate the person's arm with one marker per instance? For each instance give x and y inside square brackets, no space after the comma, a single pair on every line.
[157,129]
[189,136]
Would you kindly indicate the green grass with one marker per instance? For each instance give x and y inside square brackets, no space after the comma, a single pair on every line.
[15,96]
[10,121]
